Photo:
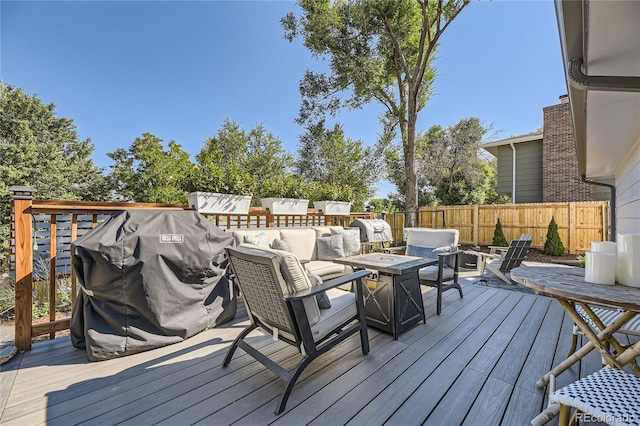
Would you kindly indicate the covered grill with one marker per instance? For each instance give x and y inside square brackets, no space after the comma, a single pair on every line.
[149,278]
[373,230]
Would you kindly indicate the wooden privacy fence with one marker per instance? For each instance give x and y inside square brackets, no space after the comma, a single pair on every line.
[579,223]
[42,232]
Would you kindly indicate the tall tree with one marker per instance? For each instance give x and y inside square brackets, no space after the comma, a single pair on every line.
[490,171]
[457,174]
[342,168]
[41,150]
[450,169]
[146,173]
[378,50]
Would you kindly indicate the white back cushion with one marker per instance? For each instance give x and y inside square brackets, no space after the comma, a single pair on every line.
[301,241]
[270,233]
[426,237]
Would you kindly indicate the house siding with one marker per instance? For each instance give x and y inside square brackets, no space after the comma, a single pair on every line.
[528,171]
[561,180]
[628,194]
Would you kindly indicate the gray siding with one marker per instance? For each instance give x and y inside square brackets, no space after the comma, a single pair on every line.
[528,171]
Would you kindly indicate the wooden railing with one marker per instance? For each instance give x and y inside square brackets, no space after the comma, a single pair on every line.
[42,232]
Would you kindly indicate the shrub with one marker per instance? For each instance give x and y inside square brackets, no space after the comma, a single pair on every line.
[553,245]
[498,236]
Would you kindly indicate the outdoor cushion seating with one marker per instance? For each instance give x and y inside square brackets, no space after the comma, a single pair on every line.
[439,245]
[280,299]
[315,246]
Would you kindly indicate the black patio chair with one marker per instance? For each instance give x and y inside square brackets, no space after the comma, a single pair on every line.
[280,299]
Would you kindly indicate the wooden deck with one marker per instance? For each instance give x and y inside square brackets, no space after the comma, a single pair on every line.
[475,364]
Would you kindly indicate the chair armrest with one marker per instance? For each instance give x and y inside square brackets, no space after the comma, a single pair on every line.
[449,253]
[495,249]
[316,289]
[396,249]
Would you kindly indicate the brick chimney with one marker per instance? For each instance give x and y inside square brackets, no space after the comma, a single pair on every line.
[560,179]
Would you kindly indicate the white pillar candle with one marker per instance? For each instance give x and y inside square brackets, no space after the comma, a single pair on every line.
[607,247]
[628,265]
[600,268]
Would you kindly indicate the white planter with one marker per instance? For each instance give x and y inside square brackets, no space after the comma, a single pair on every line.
[212,202]
[335,208]
[285,205]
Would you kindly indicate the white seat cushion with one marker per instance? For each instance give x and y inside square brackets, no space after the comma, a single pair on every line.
[343,307]
[430,273]
[324,268]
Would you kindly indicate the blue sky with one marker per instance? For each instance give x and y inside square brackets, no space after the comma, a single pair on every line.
[178,69]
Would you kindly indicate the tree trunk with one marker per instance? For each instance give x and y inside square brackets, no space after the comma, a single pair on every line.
[411,185]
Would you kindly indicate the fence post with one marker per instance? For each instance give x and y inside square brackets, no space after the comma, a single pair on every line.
[270,219]
[476,217]
[572,227]
[21,202]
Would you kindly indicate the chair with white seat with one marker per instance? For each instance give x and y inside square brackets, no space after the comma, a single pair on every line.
[441,247]
[609,395]
[606,316]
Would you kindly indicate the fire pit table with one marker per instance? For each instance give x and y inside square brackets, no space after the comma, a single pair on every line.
[393,300]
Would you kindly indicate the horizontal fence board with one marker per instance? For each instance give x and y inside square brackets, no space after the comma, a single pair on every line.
[477,224]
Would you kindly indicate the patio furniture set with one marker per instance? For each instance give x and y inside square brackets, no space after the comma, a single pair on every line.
[315,287]
[282,299]
[385,294]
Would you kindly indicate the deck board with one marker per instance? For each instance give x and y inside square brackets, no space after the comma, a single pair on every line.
[476,363]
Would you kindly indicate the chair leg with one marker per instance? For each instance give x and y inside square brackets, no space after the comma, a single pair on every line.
[439,299]
[364,338]
[498,273]
[574,341]
[295,373]
[565,415]
[232,349]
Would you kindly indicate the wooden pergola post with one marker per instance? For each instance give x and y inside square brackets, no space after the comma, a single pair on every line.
[22,227]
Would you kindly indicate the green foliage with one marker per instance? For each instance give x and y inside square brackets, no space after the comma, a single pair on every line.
[239,162]
[147,173]
[39,309]
[499,239]
[286,186]
[582,260]
[381,205]
[553,244]
[491,195]
[7,295]
[328,191]
[335,167]
[460,176]
[43,151]
[378,50]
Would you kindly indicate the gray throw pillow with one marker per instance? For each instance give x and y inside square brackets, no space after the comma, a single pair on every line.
[430,253]
[330,248]
[260,240]
[279,244]
[350,240]
[323,300]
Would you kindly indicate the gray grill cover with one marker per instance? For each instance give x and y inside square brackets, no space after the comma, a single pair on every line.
[373,230]
[149,278]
